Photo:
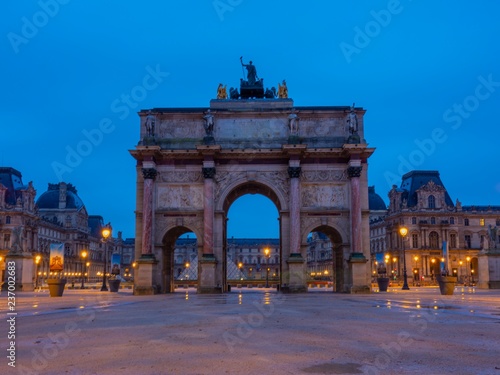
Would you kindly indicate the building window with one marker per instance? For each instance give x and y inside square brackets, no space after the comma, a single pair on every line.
[414,240]
[431,201]
[6,240]
[453,241]
[433,220]
[467,241]
[7,220]
[414,220]
[466,222]
[434,240]
[452,220]
[481,222]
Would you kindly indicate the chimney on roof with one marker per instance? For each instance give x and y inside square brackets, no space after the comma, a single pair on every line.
[62,195]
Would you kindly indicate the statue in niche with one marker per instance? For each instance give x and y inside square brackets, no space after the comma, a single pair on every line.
[17,240]
[352,120]
[492,236]
[221,92]
[150,124]
[282,90]
[209,123]
[293,123]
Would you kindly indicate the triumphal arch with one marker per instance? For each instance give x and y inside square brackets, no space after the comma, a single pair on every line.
[193,163]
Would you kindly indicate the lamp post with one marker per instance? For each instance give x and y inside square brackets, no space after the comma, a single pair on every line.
[467,268]
[187,269]
[267,253]
[37,261]
[403,231]
[106,233]
[83,255]
[87,265]
[240,266]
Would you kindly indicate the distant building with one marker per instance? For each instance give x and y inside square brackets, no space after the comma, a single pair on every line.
[58,216]
[423,205]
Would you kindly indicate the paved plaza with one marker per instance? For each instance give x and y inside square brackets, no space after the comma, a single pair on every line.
[255,331]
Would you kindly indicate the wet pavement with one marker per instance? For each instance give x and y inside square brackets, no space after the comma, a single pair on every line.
[255,331]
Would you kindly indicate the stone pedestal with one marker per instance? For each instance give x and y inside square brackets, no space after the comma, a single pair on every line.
[56,287]
[207,275]
[25,273]
[144,283]
[489,270]
[357,266]
[296,281]
[447,285]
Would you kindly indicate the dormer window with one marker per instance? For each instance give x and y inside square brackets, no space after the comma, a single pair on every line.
[431,201]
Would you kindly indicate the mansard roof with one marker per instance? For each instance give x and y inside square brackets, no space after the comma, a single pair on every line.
[414,180]
[12,179]
[481,208]
[96,223]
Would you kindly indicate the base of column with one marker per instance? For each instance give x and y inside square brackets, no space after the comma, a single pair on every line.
[296,281]
[359,283]
[23,273]
[144,283]
[207,282]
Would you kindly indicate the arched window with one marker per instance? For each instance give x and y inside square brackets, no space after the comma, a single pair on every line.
[434,240]
[431,201]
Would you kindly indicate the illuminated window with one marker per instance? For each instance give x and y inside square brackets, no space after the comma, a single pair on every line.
[481,222]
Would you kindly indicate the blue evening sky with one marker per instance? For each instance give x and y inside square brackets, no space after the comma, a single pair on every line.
[427,72]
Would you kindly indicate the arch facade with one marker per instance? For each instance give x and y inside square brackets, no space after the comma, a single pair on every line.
[187,179]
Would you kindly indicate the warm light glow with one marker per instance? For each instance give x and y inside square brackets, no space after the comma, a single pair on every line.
[403,231]
[187,264]
[460,262]
[87,264]
[240,265]
[394,259]
[1,258]
[442,259]
[106,232]
[471,271]
[468,259]
[84,254]
[37,259]
[134,264]
[326,272]
[416,258]
[387,257]
[266,251]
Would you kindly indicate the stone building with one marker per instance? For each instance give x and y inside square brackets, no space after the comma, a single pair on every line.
[27,229]
[193,163]
[423,205]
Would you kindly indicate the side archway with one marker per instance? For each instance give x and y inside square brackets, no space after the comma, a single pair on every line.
[167,261]
[334,265]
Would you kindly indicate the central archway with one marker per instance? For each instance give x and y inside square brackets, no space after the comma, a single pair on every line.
[228,197]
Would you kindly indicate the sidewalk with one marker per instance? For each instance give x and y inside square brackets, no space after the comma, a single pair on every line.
[255,331]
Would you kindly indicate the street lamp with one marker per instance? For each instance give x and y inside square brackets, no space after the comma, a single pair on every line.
[267,253]
[106,233]
[83,255]
[187,268]
[87,265]
[403,231]
[240,266]
[467,268]
[37,261]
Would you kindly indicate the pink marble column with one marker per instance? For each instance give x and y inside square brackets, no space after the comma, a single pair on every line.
[208,210]
[294,174]
[149,175]
[354,172]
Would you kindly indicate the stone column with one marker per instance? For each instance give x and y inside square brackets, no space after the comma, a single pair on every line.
[354,172]
[149,175]
[296,264]
[145,283]
[294,174]
[207,280]
[208,210]
[357,259]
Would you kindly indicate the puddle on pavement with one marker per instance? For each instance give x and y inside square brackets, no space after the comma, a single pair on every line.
[334,368]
